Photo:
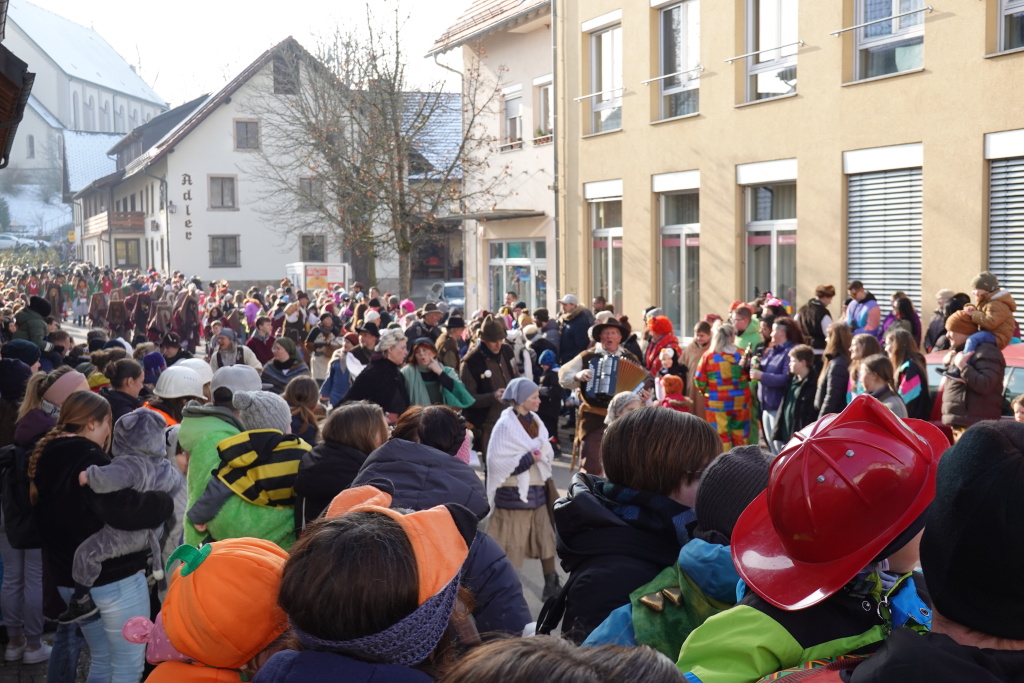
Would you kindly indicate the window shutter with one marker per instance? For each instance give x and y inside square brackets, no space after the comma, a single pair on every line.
[1006,225]
[884,232]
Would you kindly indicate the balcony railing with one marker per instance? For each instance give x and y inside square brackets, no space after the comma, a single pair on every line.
[117,221]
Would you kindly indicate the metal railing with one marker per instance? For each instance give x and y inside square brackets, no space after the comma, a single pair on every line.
[929,8]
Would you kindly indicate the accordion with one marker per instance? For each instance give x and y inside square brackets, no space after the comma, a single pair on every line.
[613,375]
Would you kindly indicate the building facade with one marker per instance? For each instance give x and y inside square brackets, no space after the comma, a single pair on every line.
[698,169]
[511,246]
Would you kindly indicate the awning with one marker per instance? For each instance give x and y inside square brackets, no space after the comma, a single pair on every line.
[496,215]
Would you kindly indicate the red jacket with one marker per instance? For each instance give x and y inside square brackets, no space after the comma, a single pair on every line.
[262,348]
[652,359]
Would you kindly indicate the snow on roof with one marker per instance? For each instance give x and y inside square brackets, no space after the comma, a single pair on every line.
[86,157]
[441,137]
[480,18]
[35,215]
[79,51]
[44,113]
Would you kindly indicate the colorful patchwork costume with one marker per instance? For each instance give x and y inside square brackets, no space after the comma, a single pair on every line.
[722,378]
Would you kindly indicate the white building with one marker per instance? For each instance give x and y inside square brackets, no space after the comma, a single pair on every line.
[510,247]
[190,199]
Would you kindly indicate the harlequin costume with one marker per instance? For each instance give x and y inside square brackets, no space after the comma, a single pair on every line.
[722,378]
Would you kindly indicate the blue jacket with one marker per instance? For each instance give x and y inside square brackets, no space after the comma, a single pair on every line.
[575,336]
[425,477]
[336,385]
[773,383]
[708,564]
[327,667]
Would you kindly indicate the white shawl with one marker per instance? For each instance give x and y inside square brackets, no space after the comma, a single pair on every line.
[508,444]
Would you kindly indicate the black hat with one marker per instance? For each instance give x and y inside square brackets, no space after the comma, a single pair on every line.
[422,341]
[455,322]
[595,333]
[373,303]
[171,339]
[727,487]
[21,349]
[973,545]
[370,328]
[40,305]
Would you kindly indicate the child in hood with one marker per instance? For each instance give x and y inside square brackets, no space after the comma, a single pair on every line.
[215,628]
[672,394]
[140,463]
[993,314]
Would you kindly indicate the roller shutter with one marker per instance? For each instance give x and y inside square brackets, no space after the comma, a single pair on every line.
[1006,226]
[884,232]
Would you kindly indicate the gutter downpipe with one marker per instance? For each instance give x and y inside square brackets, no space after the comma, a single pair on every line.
[462,224]
[554,147]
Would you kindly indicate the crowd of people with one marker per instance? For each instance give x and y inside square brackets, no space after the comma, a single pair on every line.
[281,485]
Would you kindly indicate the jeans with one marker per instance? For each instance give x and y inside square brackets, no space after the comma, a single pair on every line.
[67,645]
[114,659]
[21,598]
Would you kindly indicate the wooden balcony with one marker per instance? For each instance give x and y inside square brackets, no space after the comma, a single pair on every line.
[117,221]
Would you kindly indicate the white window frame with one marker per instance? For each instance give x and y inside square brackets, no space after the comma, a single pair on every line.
[905,28]
[689,74]
[512,133]
[773,227]
[544,113]
[780,55]
[234,193]
[685,232]
[612,234]
[238,251]
[1006,8]
[606,92]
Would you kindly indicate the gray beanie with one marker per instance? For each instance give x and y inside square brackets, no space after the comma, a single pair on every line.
[140,432]
[727,487]
[517,391]
[262,410]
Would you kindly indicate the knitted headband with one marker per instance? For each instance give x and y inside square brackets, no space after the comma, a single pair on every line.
[438,544]
[64,387]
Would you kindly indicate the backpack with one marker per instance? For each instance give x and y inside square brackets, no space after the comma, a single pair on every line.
[14,498]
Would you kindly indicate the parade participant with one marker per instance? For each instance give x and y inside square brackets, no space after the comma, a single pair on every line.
[975,521]
[215,628]
[387,620]
[187,323]
[690,358]
[616,535]
[833,537]
[518,474]
[431,383]
[577,372]
[723,381]
[449,343]
[660,328]
[170,347]
[702,581]
[551,395]
[286,365]
[382,382]
[834,379]
[339,378]
[321,343]
[360,357]
[426,325]
[486,370]
[262,340]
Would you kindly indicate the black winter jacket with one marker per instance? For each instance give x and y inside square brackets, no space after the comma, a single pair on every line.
[120,403]
[380,383]
[324,472]
[908,657]
[425,477]
[606,556]
[804,412]
[980,396]
[831,394]
[575,337]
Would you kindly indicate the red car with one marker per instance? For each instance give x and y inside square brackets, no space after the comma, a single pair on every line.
[1013,380]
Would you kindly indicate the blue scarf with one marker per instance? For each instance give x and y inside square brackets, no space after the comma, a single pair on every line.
[648,511]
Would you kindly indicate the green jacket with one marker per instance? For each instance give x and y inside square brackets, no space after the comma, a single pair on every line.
[202,428]
[32,326]
[459,397]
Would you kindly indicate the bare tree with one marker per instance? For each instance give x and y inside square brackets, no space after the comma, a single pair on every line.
[352,154]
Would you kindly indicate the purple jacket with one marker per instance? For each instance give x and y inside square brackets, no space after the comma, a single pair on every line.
[313,667]
[775,366]
[32,427]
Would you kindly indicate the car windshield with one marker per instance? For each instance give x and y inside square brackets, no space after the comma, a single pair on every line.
[457,291]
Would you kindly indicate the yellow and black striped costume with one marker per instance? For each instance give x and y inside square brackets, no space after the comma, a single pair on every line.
[260,466]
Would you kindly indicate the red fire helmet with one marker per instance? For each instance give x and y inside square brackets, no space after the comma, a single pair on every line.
[842,490]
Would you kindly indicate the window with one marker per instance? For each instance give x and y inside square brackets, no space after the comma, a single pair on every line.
[247,135]
[126,254]
[606,233]
[513,123]
[224,252]
[883,231]
[680,258]
[606,80]
[313,248]
[892,46]
[310,195]
[545,123]
[1011,15]
[680,59]
[1006,224]
[518,266]
[131,202]
[222,193]
[286,74]
[771,240]
[31,147]
[772,35]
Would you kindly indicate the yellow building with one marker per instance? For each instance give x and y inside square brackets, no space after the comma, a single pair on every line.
[696,168]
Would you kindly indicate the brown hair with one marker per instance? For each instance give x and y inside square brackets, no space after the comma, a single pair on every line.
[142,349]
[78,410]
[407,427]
[1017,400]
[837,345]
[868,346]
[902,348]
[824,291]
[359,425]
[702,326]
[620,664]
[656,450]
[302,395]
[103,358]
[523,660]
[37,385]
[121,370]
[803,352]
[793,333]
[443,428]
[880,364]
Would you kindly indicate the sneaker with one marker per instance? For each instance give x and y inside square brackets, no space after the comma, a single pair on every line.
[38,655]
[14,652]
[80,609]
[953,373]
